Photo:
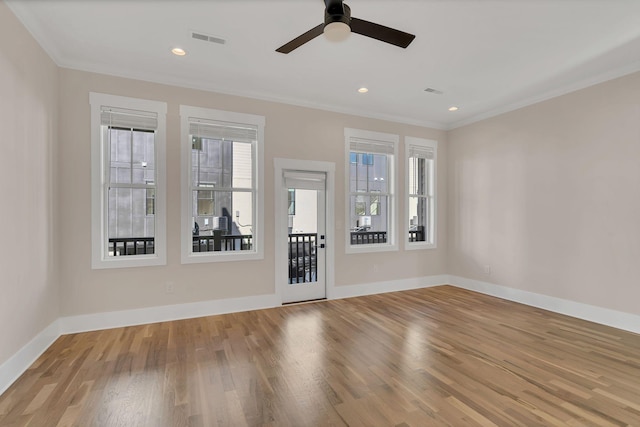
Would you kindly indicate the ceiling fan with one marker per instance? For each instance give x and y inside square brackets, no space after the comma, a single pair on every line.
[338,23]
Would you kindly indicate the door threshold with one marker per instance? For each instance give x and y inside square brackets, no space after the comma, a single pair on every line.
[304,302]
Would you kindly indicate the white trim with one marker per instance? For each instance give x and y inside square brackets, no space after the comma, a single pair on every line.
[392,238]
[604,316]
[165,313]
[17,364]
[187,256]
[280,165]
[349,291]
[410,141]
[98,208]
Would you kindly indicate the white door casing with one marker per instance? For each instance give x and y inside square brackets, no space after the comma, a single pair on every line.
[313,180]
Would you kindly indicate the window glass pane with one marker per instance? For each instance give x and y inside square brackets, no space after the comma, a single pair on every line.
[360,206]
[210,161]
[196,149]
[204,202]
[127,214]
[418,175]
[132,156]
[292,201]
[368,227]
[369,174]
[224,163]
[377,221]
[418,208]
[378,173]
[143,160]
[231,226]
[353,168]
[362,174]
[242,212]
[120,155]
[242,161]
[374,207]
[151,201]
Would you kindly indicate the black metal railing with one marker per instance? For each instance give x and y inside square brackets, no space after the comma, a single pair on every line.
[303,265]
[368,237]
[219,242]
[120,246]
[417,235]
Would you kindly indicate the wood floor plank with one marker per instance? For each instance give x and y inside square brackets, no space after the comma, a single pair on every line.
[440,356]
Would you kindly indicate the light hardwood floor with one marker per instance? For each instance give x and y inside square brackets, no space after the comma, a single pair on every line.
[431,357]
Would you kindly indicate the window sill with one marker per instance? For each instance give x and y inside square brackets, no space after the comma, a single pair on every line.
[128,261]
[415,246]
[363,249]
[204,257]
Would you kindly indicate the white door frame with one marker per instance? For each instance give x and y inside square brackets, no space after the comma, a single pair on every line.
[280,247]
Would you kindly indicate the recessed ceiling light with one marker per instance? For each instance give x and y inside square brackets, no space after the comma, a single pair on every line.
[363,90]
[454,108]
[178,51]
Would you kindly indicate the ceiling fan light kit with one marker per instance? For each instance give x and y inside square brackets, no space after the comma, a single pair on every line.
[337,32]
[338,24]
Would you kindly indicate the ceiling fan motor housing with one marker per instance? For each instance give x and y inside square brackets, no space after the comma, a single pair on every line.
[337,13]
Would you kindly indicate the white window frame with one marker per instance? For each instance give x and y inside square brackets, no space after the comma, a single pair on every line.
[392,239]
[257,252]
[99,171]
[431,181]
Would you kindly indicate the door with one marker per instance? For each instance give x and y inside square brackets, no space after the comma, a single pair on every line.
[305,235]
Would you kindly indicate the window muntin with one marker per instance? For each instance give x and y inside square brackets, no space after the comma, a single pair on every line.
[221,218]
[420,207]
[370,201]
[128,223]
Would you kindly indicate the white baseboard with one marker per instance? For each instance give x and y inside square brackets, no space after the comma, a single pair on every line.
[604,316]
[140,316]
[20,362]
[349,291]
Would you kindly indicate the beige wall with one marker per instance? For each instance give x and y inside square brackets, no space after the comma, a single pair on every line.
[549,197]
[291,132]
[28,123]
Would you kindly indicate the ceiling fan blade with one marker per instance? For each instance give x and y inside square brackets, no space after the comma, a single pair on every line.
[382,33]
[300,40]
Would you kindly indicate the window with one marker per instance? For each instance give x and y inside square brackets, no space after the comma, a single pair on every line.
[221,185]
[420,167]
[127,181]
[371,204]
[292,201]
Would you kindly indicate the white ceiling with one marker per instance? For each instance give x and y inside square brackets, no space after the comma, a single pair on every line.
[486,56]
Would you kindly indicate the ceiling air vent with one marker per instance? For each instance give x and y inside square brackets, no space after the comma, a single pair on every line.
[207,38]
[434,91]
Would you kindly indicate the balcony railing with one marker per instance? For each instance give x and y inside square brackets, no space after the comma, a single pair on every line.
[121,246]
[302,254]
[417,234]
[219,242]
[303,265]
[368,237]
